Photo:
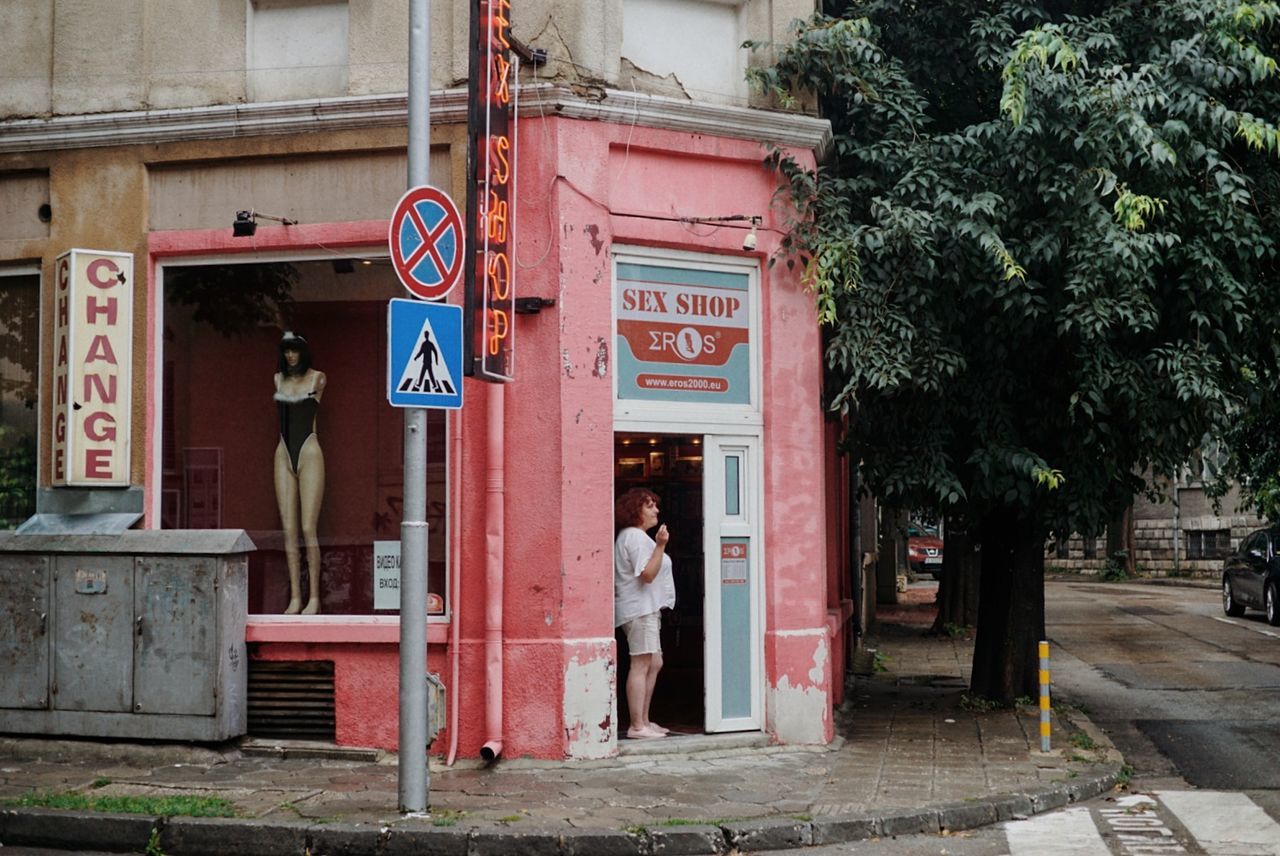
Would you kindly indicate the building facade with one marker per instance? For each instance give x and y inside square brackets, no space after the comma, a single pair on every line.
[663,350]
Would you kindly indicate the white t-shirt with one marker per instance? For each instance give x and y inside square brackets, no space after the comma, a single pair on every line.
[632,596]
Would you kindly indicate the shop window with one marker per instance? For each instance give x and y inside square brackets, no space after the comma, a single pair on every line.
[221,456]
[19,370]
[697,44]
[296,49]
[1208,543]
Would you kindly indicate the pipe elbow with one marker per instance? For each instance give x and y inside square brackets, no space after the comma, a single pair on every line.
[490,751]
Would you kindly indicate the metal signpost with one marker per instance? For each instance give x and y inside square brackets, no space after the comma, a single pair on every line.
[425,235]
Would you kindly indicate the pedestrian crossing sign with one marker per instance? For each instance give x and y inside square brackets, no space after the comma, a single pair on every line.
[424,354]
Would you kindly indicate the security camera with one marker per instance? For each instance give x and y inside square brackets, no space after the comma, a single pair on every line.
[749,242]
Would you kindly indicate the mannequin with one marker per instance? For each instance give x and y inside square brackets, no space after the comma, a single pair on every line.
[299,467]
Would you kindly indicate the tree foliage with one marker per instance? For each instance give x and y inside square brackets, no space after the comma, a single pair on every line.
[1043,240]
[1044,243]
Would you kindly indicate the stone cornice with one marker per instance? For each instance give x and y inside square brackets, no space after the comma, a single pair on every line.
[225,121]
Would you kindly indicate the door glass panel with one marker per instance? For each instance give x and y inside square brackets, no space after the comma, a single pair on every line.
[732,486]
[735,628]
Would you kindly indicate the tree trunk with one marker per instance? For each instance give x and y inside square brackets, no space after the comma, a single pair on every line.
[958,588]
[1120,540]
[1010,609]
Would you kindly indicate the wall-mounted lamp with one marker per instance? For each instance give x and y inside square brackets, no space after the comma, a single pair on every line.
[246,222]
[749,242]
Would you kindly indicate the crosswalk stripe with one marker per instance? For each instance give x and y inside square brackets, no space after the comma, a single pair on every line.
[1070,831]
[1225,824]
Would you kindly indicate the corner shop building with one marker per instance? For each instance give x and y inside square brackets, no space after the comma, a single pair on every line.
[671,358]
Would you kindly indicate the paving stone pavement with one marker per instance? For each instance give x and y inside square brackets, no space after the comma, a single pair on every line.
[910,755]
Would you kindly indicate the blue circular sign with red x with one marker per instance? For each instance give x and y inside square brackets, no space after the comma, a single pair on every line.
[426,240]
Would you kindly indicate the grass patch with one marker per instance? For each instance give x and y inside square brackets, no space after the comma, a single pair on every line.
[447,817]
[100,782]
[178,805]
[978,704]
[1080,740]
[510,818]
[684,821]
[1125,776]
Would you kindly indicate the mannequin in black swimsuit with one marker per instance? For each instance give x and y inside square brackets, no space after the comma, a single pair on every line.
[299,467]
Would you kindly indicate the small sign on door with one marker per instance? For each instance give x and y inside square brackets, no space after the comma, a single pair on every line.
[733,561]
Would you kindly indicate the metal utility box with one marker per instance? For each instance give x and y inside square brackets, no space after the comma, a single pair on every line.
[137,635]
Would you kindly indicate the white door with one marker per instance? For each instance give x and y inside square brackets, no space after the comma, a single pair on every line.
[733,637]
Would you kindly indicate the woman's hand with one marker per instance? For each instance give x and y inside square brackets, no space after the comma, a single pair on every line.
[661,536]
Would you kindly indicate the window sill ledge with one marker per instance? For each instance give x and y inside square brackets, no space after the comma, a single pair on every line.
[375,629]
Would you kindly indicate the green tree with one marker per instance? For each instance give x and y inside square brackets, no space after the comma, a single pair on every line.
[1042,244]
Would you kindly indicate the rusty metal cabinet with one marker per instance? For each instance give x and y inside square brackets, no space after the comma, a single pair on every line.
[139,635]
[24,656]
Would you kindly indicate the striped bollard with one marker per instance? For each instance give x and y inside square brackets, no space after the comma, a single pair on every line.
[1044,696]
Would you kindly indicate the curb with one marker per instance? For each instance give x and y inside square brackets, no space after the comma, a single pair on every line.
[190,836]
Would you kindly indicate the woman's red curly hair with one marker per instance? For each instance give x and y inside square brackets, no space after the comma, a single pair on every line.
[628,507]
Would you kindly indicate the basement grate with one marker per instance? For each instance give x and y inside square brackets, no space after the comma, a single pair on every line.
[292,699]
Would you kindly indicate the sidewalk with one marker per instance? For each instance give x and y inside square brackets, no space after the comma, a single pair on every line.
[909,757]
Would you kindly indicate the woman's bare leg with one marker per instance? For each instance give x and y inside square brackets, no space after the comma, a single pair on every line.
[637,687]
[651,680]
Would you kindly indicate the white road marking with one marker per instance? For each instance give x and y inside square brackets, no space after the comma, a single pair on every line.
[1225,824]
[1070,831]
[1138,830]
[1245,626]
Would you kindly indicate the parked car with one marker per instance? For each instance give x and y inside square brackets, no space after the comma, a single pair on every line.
[1251,576]
[924,549]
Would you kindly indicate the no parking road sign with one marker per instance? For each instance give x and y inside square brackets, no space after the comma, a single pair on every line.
[427,241]
[424,354]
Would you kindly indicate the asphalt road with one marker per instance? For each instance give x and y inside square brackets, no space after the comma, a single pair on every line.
[1189,696]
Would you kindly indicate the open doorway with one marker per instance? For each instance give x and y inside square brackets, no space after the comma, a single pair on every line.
[670,465]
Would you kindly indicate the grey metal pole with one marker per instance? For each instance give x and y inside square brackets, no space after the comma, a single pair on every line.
[414,771]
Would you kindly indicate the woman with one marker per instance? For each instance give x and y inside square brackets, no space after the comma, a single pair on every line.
[299,467]
[642,586]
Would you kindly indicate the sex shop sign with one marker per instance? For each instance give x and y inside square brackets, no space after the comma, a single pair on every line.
[684,334]
[93,358]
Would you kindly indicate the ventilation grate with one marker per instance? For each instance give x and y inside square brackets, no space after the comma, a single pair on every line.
[292,699]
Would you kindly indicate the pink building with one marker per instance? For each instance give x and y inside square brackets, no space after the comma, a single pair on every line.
[665,351]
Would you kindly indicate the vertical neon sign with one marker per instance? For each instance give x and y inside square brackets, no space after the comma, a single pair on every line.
[491,159]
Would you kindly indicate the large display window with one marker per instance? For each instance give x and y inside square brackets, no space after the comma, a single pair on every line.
[19,419]
[275,421]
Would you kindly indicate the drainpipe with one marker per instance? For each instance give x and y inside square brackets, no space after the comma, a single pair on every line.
[494,548]
[455,591]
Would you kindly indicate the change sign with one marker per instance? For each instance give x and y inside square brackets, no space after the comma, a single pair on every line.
[92,367]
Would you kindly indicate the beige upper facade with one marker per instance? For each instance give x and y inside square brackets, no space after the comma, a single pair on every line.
[71,57]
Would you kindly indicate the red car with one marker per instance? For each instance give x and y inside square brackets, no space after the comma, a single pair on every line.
[924,549]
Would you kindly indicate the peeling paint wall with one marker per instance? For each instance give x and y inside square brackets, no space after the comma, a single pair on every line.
[798,703]
[590,702]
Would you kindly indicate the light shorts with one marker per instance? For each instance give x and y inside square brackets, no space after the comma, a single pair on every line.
[642,634]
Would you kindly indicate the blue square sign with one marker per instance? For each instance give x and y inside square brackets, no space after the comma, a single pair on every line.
[424,354]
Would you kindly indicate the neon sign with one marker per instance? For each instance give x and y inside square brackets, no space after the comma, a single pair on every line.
[490,275]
